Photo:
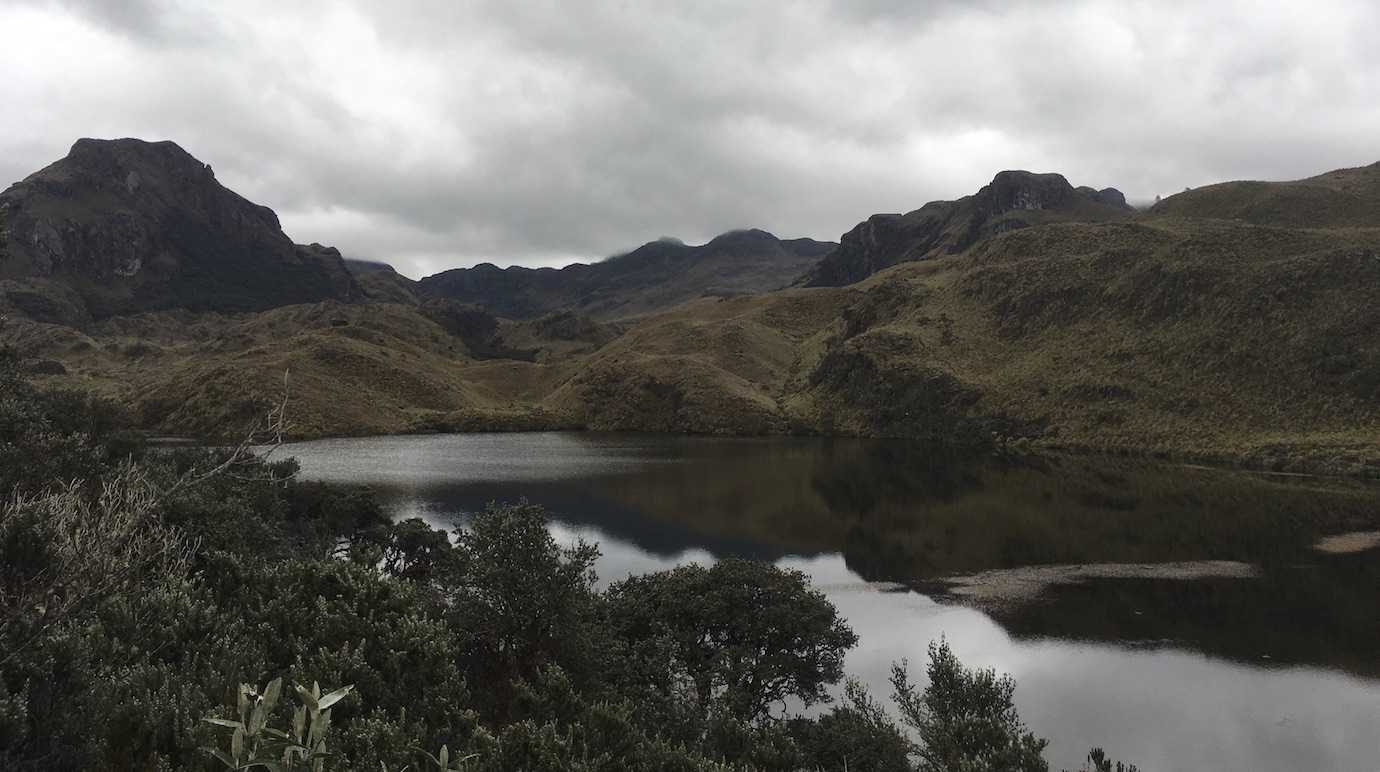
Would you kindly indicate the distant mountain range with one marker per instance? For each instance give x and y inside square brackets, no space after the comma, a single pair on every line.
[656,275]
[121,226]
[1233,322]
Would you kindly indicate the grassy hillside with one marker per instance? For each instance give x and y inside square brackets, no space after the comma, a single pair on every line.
[350,369]
[1201,339]
[1343,198]
[1209,338]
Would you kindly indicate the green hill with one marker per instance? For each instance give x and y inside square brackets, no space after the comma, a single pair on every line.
[1346,198]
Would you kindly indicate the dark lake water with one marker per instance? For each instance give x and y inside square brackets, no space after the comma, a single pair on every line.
[1278,672]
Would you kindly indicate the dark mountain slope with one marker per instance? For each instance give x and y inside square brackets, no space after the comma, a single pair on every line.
[381,283]
[1341,198]
[1014,199]
[654,276]
[121,226]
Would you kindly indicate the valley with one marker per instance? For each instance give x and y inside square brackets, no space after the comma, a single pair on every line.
[1032,314]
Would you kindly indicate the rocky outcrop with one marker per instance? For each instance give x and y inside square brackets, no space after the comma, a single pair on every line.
[1108,196]
[136,226]
[1014,199]
[657,275]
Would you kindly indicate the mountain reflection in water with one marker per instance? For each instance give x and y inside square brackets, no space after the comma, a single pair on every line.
[1136,665]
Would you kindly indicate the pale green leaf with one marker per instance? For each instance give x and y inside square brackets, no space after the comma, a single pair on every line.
[334,697]
[273,692]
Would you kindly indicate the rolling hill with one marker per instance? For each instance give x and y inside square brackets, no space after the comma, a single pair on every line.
[1345,198]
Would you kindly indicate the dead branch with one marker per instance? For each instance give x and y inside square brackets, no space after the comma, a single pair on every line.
[266,435]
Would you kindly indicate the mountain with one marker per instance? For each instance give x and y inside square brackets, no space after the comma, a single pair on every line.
[1339,199]
[121,226]
[1237,323]
[1014,199]
[656,275]
[380,282]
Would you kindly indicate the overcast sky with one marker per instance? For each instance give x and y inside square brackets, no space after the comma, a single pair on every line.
[438,134]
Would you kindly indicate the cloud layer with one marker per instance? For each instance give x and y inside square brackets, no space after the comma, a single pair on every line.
[434,133]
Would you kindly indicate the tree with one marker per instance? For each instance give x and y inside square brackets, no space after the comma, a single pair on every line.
[856,735]
[747,634]
[519,599]
[966,719]
[409,549]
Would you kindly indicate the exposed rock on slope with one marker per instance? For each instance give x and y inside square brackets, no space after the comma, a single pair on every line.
[131,226]
[1341,198]
[654,276]
[1014,199]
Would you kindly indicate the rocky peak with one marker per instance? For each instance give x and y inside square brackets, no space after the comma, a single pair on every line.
[1021,190]
[1013,199]
[1107,196]
[134,226]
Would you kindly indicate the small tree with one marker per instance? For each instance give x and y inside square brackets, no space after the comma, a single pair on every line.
[519,599]
[856,735]
[747,634]
[966,719]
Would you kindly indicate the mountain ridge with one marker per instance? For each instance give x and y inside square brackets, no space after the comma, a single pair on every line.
[1013,199]
[655,275]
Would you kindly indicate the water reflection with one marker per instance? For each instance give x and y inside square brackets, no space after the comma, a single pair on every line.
[1139,666]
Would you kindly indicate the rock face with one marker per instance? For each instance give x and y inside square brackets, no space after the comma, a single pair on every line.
[1014,199]
[656,275]
[135,226]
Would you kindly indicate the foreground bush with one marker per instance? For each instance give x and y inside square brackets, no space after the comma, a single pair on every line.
[141,595]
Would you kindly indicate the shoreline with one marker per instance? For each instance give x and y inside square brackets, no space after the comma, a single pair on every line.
[1303,462]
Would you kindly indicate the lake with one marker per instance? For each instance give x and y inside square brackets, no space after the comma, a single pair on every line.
[1258,652]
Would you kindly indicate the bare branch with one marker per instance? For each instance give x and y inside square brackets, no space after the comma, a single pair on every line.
[96,549]
[266,433]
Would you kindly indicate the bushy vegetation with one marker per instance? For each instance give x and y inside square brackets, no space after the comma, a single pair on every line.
[144,598]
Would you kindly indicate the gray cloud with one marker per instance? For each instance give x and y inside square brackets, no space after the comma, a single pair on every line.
[434,134]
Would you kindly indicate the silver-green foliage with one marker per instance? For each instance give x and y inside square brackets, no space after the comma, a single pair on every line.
[255,744]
